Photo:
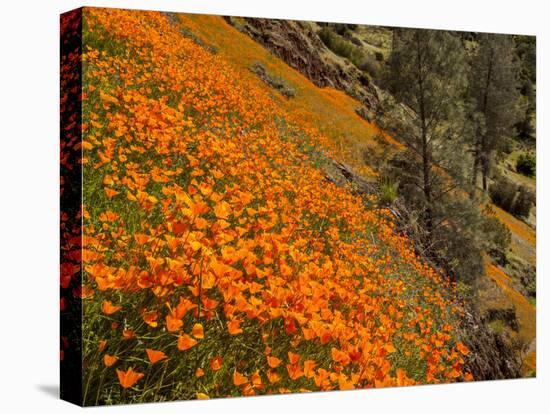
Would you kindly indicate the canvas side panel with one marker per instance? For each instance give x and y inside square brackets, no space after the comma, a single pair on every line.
[71,206]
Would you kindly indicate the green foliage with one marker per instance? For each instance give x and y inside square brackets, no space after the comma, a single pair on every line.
[372,66]
[503,193]
[523,203]
[507,146]
[343,29]
[496,101]
[340,45]
[526,49]
[516,200]
[526,54]
[336,43]
[497,236]
[526,164]
[388,191]
[525,128]
[427,74]
[455,242]
[498,326]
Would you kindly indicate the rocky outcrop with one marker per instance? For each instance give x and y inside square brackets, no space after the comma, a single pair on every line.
[298,44]
[492,355]
[275,82]
[342,175]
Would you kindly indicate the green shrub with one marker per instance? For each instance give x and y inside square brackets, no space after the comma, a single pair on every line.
[388,191]
[355,54]
[508,145]
[371,66]
[343,29]
[503,192]
[524,200]
[516,200]
[358,57]
[526,165]
[355,41]
[335,43]
[496,236]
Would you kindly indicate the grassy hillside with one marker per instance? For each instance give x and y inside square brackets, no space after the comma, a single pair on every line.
[218,259]
[332,111]
[360,143]
[523,247]
[370,40]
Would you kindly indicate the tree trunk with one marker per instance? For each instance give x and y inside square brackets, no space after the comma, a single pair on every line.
[426,177]
[485,171]
[475,169]
[426,155]
[484,150]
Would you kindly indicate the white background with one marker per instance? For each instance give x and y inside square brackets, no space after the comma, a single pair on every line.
[29,204]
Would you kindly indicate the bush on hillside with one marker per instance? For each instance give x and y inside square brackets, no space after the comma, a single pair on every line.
[336,43]
[497,236]
[355,41]
[355,54]
[526,164]
[503,193]
[524,201]
[514,199]
[371,66]
[343,29]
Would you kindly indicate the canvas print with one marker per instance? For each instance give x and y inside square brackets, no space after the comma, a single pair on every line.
[254,206]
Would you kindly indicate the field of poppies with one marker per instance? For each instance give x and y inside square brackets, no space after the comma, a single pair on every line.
[217,260]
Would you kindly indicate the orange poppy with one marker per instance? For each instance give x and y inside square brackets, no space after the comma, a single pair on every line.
[216,363]
[185,342]
[173,324]
[128,378]
[109,360]
[239,379]
[273,362]
[155,356]
[197,331]
[108,308]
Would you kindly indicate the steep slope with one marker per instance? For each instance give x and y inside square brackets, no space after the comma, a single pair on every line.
[297,44]
[218,259]
[510,293]
[282,38]
[332,111]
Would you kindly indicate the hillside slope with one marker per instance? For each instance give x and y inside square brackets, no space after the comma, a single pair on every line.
[332,111]
[510,293]
[280,38]
[218,259]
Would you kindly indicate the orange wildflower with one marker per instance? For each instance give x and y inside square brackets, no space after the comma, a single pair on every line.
[128,378]
[185,342]
[109,360]
[198,331]
[155,356]
[108,308]
[216,363]
[239,379]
